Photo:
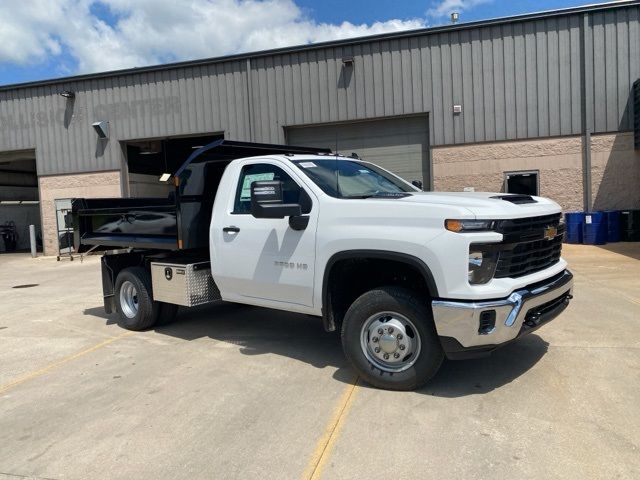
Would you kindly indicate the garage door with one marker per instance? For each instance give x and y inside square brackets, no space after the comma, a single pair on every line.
[400,145]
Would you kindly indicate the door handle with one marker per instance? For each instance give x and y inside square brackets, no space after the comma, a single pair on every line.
[231,229]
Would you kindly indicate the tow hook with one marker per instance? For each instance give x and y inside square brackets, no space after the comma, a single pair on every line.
[533,320]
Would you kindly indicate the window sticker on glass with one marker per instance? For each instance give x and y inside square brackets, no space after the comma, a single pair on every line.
[245,194]
[308,164]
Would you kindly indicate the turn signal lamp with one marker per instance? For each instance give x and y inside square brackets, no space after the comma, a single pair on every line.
[468,225]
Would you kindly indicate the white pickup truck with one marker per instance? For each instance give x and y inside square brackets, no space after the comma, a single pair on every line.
[408,277]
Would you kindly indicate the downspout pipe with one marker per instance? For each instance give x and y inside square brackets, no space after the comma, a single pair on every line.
[586,108]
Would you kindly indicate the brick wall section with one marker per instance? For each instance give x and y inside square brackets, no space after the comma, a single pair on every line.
[615,168]
[615,172]
[89,185]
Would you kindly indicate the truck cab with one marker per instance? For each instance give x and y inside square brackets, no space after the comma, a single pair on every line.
[407,277]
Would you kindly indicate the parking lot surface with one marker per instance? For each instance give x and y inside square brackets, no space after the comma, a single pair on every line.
[233,391]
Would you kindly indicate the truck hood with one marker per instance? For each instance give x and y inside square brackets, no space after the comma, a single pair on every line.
[489,205]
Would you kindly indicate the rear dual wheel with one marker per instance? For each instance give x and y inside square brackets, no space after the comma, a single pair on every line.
[389,337]
[134,301]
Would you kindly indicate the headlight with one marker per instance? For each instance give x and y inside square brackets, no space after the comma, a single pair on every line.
[482,266]
[469,225]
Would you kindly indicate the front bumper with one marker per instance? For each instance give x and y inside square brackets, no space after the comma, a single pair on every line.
[466,330]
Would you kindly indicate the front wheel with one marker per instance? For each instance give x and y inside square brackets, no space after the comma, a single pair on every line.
[389,337]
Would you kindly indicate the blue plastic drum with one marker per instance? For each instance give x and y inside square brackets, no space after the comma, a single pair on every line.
[573,222]
[594,228]
[613,226]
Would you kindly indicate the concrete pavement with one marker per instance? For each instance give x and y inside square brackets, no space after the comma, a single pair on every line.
[240,392]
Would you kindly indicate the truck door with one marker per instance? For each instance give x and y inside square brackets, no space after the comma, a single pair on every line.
[264,258]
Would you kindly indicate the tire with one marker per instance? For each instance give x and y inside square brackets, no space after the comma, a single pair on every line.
[142,312]
[385,309]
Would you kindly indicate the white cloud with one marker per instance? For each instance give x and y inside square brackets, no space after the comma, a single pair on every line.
[446,7]
[156,31]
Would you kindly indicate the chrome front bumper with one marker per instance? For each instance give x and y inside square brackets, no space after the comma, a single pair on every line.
[524,310]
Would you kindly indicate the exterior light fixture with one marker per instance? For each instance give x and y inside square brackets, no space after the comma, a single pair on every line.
[455,16]
[164,177]
[347,61]
[68,94]
[102,129]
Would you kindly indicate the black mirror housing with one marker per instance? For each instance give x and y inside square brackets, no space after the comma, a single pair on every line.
[417,183]
[266,201]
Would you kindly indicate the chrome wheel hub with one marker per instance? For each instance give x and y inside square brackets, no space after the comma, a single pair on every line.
[390,341]
[129,299]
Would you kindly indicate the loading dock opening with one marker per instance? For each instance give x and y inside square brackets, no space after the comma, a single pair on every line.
[525,183]
[19,201]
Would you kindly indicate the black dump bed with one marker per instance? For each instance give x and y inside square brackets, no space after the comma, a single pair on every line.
[126,222]
[179,222]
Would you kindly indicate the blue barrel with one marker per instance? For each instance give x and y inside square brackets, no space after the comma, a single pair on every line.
[594,228]
[573,222]
[613,225]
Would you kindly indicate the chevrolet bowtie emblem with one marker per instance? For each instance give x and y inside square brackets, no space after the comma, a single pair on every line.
[550,233]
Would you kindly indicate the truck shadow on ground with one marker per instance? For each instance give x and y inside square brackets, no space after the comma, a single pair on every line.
[260,331]
[483,375]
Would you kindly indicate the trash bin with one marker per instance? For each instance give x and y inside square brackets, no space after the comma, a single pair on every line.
[573,222]
[613,225]
[594,228]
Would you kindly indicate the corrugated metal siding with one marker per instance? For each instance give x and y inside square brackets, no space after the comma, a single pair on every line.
[173,102]
[514,80]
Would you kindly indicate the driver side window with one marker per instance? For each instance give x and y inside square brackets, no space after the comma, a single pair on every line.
[291,191]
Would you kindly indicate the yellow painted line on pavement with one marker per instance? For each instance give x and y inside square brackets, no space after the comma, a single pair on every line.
[326,443]
[38,373]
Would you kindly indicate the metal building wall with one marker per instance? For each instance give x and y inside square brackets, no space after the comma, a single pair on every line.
[514,79]
[208,98]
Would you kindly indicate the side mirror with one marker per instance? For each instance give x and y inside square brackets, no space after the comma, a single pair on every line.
[417,183]
[266,201]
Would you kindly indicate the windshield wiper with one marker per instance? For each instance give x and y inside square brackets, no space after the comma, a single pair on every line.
[380,195]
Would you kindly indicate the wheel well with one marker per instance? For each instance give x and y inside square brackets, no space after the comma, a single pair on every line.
[112,265]
[348,278]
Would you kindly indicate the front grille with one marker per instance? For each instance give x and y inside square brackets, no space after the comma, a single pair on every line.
[524,229]
[526,249]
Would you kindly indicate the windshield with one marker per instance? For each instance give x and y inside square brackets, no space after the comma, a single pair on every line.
[352,179]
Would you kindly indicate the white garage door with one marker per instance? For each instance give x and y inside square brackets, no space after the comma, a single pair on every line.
[400,145]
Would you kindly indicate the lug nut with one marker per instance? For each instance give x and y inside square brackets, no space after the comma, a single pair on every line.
[390,329]
[380,331]
[374,339]
[399,336]
[396,355]
[377,349]
[402,347]
[386,356]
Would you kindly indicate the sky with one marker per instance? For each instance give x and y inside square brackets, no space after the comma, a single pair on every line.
[44,39]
